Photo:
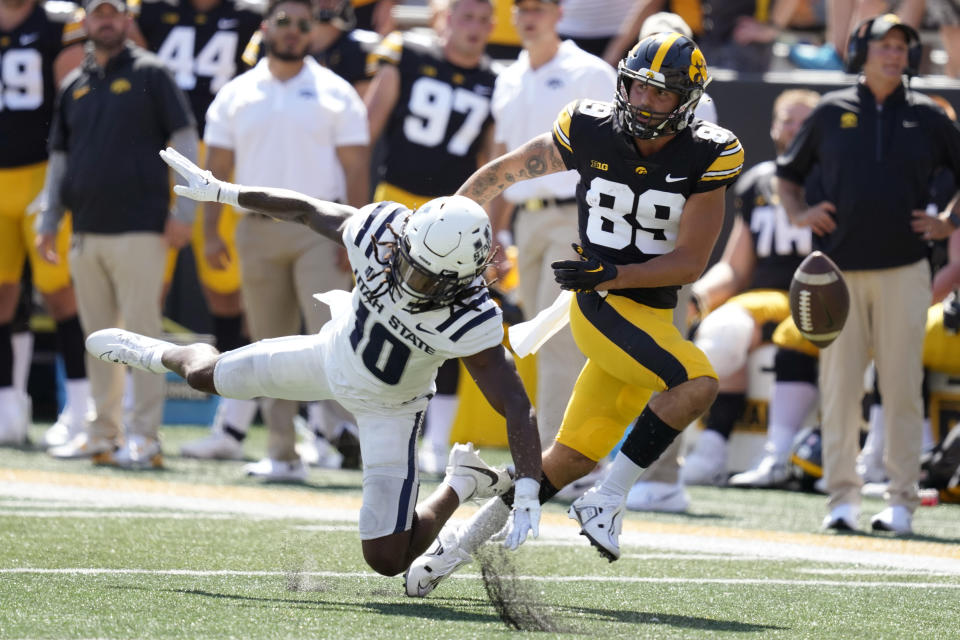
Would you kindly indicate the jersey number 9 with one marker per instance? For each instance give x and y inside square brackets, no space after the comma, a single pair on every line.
[21,80]
[620,218]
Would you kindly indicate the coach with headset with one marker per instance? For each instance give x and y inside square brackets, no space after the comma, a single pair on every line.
[878,145]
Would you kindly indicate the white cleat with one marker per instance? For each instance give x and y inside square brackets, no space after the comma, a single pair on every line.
[600,515]
[771,471]
[83,445]
[662,497]
[490,482]
[128,348]
[59,433]
[842,517]
[138,452]
[707,463]
[896,519]
[67,426]
[277,470]
[216,446]
[442,558]
[315,450]
[15,417]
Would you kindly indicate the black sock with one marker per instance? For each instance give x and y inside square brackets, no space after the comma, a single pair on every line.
[726,410]
[70,346]
[547,491]
[228,332]
[6,357]
[649,438]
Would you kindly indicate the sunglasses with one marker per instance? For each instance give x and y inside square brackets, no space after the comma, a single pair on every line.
[283,20]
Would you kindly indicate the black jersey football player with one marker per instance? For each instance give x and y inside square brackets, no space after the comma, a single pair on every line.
[34,37]
[430,99]
[651,199]
[200,41]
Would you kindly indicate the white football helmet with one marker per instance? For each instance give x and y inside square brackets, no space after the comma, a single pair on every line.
[444,246]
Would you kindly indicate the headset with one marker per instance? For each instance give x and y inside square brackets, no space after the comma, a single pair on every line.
[861,37]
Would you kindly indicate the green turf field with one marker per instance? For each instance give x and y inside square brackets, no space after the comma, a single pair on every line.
[198,551]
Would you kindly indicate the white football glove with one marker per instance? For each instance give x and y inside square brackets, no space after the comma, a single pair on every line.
[525,515]
[201,185]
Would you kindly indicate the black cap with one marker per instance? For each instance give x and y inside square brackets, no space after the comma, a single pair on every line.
[882,25]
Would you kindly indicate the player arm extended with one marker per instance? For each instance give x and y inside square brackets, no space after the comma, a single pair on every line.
[500,383]
[326,218]
[699,227]
[538,157]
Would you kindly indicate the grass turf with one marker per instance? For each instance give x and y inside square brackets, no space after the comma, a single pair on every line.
[97,552]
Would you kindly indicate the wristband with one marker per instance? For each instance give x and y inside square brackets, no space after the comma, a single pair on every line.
[229,194]
[954,220]
[505,238]
[526,488]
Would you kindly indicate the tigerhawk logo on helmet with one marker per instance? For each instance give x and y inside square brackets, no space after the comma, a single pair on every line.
[669,61]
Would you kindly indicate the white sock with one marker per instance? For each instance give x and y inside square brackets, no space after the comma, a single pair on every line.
[790,404]
[876,436]
[78,401]
[463,486]
[484,524]
[22,343]
[236,413]
[440,414]
[154,357]
[127,393]
[316,419]
[8,396]
[622,474]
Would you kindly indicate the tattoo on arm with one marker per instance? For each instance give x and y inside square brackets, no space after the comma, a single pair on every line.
[534,159]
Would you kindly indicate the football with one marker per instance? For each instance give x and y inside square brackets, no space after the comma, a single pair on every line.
[819,300]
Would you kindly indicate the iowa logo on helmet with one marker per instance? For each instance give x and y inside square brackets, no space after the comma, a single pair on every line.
[698,67]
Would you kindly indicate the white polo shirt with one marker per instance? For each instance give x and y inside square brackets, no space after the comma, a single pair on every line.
[285,134]
[526,102]
[592,19]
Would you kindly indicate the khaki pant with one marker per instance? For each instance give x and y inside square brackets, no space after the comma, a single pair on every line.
[888,312]
[282,265]
[544,236]
[118,280]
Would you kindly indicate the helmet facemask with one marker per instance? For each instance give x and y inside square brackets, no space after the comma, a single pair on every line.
[430,290]
[658,122]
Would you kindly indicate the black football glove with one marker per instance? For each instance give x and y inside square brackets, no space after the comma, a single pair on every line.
[583,274]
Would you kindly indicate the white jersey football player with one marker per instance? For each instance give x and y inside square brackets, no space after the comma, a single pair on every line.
[419,299]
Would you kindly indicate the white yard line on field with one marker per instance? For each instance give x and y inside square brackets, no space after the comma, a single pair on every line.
[90,493]
[467,576]
[102,514]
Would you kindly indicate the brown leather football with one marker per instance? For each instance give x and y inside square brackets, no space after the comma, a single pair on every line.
[819,300]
